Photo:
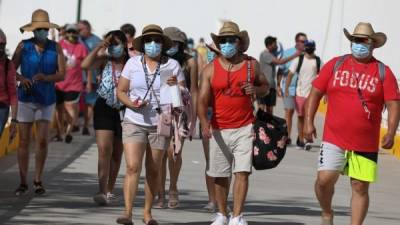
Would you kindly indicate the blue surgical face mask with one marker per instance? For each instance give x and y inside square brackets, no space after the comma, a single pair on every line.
[360,50]
[190,46]
[210,56]
[115,51]
[41,35]
[228,50]
[173,50]
[152,49]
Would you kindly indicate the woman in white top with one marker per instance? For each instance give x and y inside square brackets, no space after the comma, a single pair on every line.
[139,90]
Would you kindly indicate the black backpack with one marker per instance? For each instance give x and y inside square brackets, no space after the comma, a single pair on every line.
[301,59]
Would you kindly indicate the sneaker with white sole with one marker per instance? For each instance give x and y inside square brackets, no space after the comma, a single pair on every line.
[219,219]
[239,220]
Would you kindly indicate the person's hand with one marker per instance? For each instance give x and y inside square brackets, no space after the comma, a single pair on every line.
[26,83]
[206,130]
[105,43]
[13,131]
[287,92]
[387,141]
[138,103]
[89,87]
[279,92]
[309,131]
[248,89]
[39,77]
[172,80]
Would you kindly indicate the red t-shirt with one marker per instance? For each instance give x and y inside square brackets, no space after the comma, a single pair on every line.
[346,122]
[74,55]
[231,107]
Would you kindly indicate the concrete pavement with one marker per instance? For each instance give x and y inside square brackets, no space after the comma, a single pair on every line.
[282,196]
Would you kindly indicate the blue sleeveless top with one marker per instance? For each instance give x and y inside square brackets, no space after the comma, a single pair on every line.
[32,63]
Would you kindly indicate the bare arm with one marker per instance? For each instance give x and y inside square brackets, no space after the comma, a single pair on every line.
[311,107]
[393,108]
[95,60]
[203,100]
[280,61]
[288,82]
[16,59]
[122,90]
[260,82]
[193,83]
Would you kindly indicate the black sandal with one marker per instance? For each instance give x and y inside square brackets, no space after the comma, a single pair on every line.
[21,190]
[151,222]
[124,221]
[56,138]
[39,189]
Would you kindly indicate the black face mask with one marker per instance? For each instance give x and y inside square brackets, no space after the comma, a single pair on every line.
[309,50]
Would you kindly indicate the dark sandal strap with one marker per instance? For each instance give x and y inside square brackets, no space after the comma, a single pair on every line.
[22,187]
[39,189]
[124,220]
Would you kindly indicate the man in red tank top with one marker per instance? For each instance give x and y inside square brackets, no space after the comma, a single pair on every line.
[229,84]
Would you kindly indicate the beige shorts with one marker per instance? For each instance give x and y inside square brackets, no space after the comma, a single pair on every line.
[134,133]
[231,151]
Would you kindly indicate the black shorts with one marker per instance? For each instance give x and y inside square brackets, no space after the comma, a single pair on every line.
[67,96]
[106,118]
[270,99]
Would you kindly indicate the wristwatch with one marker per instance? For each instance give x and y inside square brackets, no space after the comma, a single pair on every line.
[13,120]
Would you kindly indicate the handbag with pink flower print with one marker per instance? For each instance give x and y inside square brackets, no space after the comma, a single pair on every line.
[269,144]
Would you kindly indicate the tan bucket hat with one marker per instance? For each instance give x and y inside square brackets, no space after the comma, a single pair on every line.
[175,34]
[365,30]
[40,19]
[230,28]
[148,30]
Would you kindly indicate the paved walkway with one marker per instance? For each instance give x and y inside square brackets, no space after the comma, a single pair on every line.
[282,196]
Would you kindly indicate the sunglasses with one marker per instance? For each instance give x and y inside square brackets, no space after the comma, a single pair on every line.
[72,31]
[224,40]
[156,39]
[362,40]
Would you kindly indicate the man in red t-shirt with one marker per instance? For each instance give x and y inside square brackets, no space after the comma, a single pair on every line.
[228,85]
[357,87]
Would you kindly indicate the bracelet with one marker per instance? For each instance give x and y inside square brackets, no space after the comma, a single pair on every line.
[13,120]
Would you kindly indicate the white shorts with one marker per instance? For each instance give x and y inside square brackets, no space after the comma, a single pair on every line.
[231,151]
[29,112]
[331,157]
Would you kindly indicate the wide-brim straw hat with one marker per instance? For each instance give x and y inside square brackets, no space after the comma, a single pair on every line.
[365,30]
[175,34]
[40,19]
[150,30]
[230,28]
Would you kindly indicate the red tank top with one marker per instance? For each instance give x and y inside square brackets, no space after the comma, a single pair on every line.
[231,107]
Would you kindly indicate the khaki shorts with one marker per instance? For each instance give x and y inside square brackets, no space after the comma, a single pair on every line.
[231,151]
[134,133]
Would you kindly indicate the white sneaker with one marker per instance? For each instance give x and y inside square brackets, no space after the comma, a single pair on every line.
[239,220]
[219,219]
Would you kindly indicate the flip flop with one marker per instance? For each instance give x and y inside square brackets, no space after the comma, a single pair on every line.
[151,222]
[39,189]
[173,200]
[124,220]
[159,204]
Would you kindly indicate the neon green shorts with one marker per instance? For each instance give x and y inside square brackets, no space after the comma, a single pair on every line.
[358,165]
